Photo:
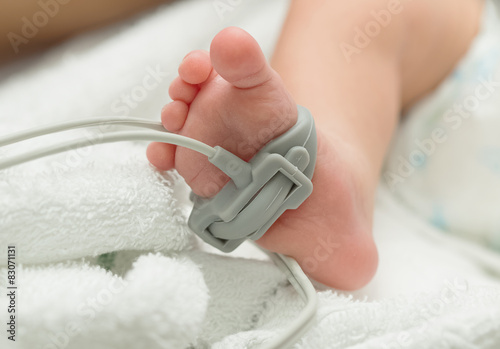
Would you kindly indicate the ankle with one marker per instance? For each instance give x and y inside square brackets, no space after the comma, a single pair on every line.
[355,168]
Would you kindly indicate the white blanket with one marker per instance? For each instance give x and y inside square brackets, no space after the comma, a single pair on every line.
[107,259]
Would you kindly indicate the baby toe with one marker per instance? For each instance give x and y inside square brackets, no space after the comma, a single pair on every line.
[173,115]
[182,91]
[161,155]
[196,67]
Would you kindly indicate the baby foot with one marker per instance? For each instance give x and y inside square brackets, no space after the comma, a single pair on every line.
[232,97]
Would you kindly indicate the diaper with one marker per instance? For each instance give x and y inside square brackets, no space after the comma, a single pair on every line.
[444,161]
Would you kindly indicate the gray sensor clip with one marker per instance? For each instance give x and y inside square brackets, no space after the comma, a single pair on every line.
[276,179]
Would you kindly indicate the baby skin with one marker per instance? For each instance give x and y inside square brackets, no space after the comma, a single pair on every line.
[232,97]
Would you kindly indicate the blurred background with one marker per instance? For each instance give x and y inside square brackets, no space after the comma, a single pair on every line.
[30,26]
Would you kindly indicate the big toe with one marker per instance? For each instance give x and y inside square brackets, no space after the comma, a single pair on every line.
[238,59]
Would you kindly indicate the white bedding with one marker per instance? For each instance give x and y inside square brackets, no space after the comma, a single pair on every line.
[165,290]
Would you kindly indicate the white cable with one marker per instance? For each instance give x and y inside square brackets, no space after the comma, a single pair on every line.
[154,136]
[305,289]
[68,125]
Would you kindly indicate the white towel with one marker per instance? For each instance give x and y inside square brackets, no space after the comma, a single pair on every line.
[111,203]
[160,302]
